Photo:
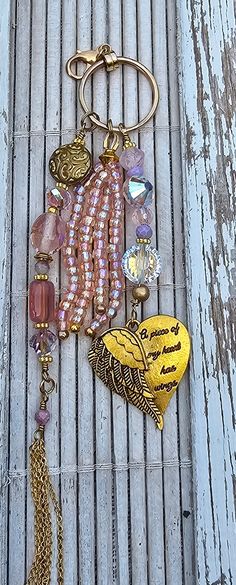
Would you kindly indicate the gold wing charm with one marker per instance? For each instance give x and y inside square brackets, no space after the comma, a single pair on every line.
[119,360]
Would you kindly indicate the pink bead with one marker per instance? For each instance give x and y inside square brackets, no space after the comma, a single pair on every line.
[74,279]
[70,261]
[99,244]
[41,301]
[62,325]
[82,303]
[62,315]
[142,215]
[115,265]
[114,240]
[88,220]
[101,282]
[59,198]
[102,262]
[93,211]
[115,294]
[48,233]
[72,270]
[65,304]
[85,246]
[116,284]
[88,266]
[131,157]
[73,287]
[85,229]
[98,253]
[102,215]
[103,273]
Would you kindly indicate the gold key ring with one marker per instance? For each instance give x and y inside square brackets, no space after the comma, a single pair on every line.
[122,61]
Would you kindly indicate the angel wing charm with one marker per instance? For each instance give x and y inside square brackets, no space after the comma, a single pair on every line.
[119,360]
[144,367]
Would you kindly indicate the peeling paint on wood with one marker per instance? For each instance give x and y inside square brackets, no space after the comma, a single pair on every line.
[207,51]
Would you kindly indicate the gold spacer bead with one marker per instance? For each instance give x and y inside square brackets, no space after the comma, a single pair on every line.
[43,256]
[52,209]
[143,241]
[40,277]
[41,325]
[141,293]
[90,332]
[75,328]
[45,359]
[61,185]
[63,335]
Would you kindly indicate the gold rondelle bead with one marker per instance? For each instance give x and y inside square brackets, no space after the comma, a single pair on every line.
[43,256]
[63,335]
[41,325]
[40,277]
[141,293]
[52,209]
[90,332]
[61,185]
[75,328]
[46,359]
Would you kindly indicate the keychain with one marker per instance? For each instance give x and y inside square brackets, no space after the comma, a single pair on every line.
[144,361]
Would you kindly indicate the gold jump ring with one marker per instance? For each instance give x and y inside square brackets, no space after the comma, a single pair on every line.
[122,61]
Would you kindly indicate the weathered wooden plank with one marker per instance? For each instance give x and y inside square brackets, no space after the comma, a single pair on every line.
[5,260]
[206,49]
[18,370]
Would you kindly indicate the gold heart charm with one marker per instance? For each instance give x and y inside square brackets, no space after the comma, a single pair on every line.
[145,366]
[70,163]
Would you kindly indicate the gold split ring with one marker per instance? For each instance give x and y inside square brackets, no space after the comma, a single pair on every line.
[99,64]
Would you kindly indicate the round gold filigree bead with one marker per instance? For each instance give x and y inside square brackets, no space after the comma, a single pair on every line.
[90,332]
[75,328]
[141,293]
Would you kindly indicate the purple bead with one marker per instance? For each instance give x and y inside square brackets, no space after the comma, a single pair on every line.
[144,231]
[42,267]
[135,172]
[131,157]
[43,342]
[42,416]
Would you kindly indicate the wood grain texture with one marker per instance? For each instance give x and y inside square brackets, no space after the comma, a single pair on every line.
[125,489]
[207,49]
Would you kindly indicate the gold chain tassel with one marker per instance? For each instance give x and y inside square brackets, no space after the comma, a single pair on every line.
[42,493]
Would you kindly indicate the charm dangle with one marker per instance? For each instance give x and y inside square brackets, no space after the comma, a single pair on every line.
[143,366]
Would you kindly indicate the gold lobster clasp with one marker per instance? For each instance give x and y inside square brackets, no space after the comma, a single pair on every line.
[90,57]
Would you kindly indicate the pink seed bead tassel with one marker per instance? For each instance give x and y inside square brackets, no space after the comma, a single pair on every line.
[94,190]
[112,209]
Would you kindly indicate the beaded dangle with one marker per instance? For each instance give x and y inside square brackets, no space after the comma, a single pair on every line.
[144,361]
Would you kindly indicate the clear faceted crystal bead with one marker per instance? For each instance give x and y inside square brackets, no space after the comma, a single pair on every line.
[43,342]
[138,191]
[141,263]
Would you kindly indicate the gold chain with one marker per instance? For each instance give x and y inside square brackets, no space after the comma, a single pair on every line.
[43,495]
